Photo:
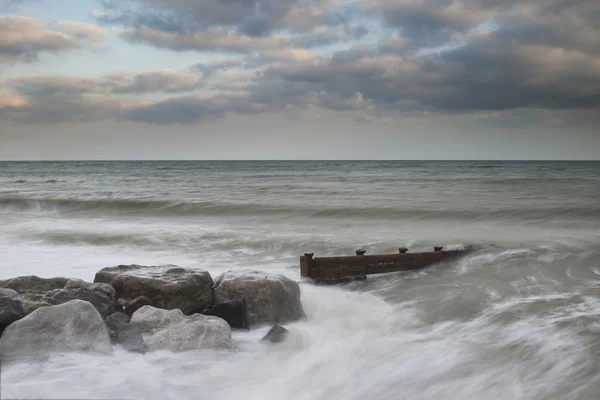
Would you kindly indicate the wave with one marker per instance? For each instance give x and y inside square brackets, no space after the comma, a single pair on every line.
[158,207]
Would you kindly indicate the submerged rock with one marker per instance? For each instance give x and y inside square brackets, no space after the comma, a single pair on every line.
[166,287]
[34,283]
[270,298]
[174,331]
[123,333]
[276,334]
[10,311]
[232,311]
[73,326]
[11,294]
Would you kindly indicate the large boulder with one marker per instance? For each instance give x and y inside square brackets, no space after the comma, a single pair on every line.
[68,327]
[174,331]
[232,311]
[167,287]
[10,311]
[34,283]
[270,298]
[123,333]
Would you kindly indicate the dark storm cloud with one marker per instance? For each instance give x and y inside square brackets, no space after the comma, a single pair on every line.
[401,56]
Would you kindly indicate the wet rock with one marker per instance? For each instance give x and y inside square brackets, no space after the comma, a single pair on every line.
[31,301]
[100,287]
[10,311]
[166,287]
[72,326]
[174,331]
[135,304]
[34,283]
[130,337]
[11,294]
[113,321]
[125,334]
[104,304]
[232,311]
[270,298]
[276,334]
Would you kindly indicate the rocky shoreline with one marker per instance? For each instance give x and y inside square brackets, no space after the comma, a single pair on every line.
[141,308]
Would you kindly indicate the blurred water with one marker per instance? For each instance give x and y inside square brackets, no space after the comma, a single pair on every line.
[516,319]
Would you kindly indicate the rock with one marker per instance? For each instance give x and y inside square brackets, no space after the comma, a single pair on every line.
[103,303]
[100,287]
[33,283]
[174,331]
[72,326]
[276,334]
[232,311]
[113,322]
[269,298]
[31,301]
[135,304]
[167,287]
[11,294]
[125,334]
[116,319]
[10,311]
[130,337]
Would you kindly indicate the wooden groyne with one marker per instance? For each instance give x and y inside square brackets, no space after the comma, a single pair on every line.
[348,268]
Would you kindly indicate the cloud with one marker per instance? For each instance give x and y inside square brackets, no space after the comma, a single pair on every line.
[374,56]
[24,38]
[166,81]
[211,40]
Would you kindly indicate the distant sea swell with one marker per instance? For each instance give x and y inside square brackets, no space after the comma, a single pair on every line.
[169,208]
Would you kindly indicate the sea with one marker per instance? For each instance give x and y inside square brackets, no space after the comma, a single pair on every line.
[517,318]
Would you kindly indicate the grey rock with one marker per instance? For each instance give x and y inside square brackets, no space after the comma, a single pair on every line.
[31,301]
[135,304]
[100,287]
[232,311]
[69,327]
[113,322]
[34,283]
[10,311]
[130,337]
[174,331]
[270,298]
[11,294]
[276,334]
[117,319]
[167,287]
[122,332]
[104,304]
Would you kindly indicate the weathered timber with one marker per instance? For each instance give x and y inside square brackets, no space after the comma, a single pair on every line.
[345,269]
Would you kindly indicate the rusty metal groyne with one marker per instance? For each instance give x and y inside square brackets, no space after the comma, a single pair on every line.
[348,268]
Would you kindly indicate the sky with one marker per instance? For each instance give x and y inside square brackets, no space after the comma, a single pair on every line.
[299,79]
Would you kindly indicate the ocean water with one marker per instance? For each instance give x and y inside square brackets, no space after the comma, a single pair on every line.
[519,318]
